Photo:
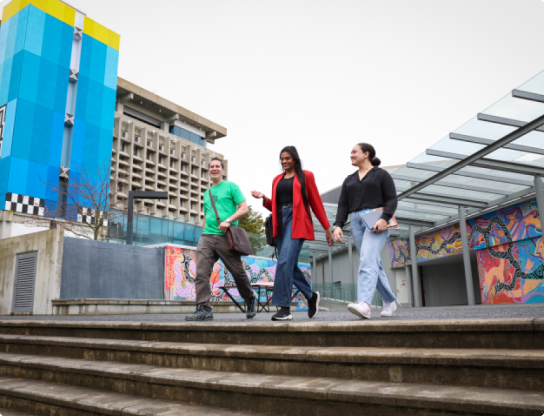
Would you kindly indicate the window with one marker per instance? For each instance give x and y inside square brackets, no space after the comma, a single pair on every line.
[161,147]
[161,158]
[119,186]
[171,200]
[149,143]
[148,156]
[123,147]
[135,151]
[192,170]
[172,164]
[183,155]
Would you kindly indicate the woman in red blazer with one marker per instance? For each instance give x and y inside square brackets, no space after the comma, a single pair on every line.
[293,193]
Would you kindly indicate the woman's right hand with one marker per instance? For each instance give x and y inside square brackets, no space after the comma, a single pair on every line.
[338,235]
[257,194]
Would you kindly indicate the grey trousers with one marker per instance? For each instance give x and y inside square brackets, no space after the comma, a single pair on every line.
[211,248]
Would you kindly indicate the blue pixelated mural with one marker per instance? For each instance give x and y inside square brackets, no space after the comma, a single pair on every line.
[58,80]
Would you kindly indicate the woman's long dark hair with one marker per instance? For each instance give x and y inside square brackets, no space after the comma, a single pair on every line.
[365,147]
[292,150]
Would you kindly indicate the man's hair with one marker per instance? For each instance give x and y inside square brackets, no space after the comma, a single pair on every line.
[220,160]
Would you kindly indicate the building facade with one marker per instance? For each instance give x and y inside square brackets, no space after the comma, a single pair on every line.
[57,97]
[65,114]
[160,146]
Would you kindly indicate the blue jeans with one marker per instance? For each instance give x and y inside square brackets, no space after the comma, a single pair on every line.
[287,271]
[371,275]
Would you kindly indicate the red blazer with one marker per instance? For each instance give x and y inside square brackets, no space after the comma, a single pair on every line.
[302,224]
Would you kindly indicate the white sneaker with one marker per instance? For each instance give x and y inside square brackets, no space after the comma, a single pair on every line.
[362,310]
[389,308]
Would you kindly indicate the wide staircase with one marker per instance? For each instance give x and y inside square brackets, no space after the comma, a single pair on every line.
[385,368]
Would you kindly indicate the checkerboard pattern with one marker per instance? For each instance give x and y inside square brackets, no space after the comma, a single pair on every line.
[25,204]
[89,216]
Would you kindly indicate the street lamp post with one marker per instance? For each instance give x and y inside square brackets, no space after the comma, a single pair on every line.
[139,195]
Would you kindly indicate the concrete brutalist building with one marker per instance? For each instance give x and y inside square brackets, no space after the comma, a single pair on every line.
[161,146]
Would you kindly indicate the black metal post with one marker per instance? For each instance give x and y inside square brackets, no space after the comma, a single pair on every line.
[139,195]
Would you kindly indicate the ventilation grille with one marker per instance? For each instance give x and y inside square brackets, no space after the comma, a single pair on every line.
[25,279]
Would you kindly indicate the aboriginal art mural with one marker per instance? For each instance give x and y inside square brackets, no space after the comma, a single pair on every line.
[181,273]
[440,243]
[509,248]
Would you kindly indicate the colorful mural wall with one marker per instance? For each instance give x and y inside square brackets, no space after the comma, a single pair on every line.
[181,274]
[440,243]
[509,248]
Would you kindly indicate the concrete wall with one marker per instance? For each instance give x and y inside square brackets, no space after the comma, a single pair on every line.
[99,270]
[49,245]
[444,283]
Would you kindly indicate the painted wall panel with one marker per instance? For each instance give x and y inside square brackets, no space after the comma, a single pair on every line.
[512,272]
[509,254]
[181,273]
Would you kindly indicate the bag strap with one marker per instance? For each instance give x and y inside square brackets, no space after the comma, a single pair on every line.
[215,209]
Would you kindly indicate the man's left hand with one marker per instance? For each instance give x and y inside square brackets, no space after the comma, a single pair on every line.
[380,226]
[224,226]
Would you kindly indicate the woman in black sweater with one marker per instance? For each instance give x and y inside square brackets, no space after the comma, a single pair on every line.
[368,188]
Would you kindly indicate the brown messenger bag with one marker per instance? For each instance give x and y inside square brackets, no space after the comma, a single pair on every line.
[237,238]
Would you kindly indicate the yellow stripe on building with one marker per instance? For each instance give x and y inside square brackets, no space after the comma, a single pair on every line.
[101,33]
[55,8]
[11,9]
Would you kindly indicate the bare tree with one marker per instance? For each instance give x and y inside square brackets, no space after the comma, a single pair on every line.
[85,202]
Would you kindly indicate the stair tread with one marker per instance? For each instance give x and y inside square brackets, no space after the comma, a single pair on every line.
[422,356]
[103,402]
[483,399]
[7,412]
[436,325]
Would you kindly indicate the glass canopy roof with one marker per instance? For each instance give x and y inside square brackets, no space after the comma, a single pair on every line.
[489,161]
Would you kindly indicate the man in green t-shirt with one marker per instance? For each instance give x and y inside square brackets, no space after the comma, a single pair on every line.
[231,206]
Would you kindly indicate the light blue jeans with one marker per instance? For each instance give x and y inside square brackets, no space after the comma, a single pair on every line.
[371,275]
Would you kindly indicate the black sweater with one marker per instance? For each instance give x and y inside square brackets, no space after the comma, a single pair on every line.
[376,190]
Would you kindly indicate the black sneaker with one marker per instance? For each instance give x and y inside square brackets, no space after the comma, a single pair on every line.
[284,314]
[250,309]
[313,305]
[200,315]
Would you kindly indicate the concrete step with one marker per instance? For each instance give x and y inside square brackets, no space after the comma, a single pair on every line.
[517,333]
[7,412]
[500,368]
[42,398]
[289,395]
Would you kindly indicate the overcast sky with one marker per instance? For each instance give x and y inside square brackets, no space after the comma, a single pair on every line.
[324,75]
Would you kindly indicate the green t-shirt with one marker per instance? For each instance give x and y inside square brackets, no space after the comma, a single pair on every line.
[227,197]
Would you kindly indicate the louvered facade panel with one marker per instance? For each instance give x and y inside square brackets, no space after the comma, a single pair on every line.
[25,282]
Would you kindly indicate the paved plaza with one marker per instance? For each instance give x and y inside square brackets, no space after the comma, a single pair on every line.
[339,313]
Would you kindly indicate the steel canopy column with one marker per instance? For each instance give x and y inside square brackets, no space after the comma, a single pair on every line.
[353,292]
[314,269]
[409,286]
[415,273]
[540,200]
[466,256]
